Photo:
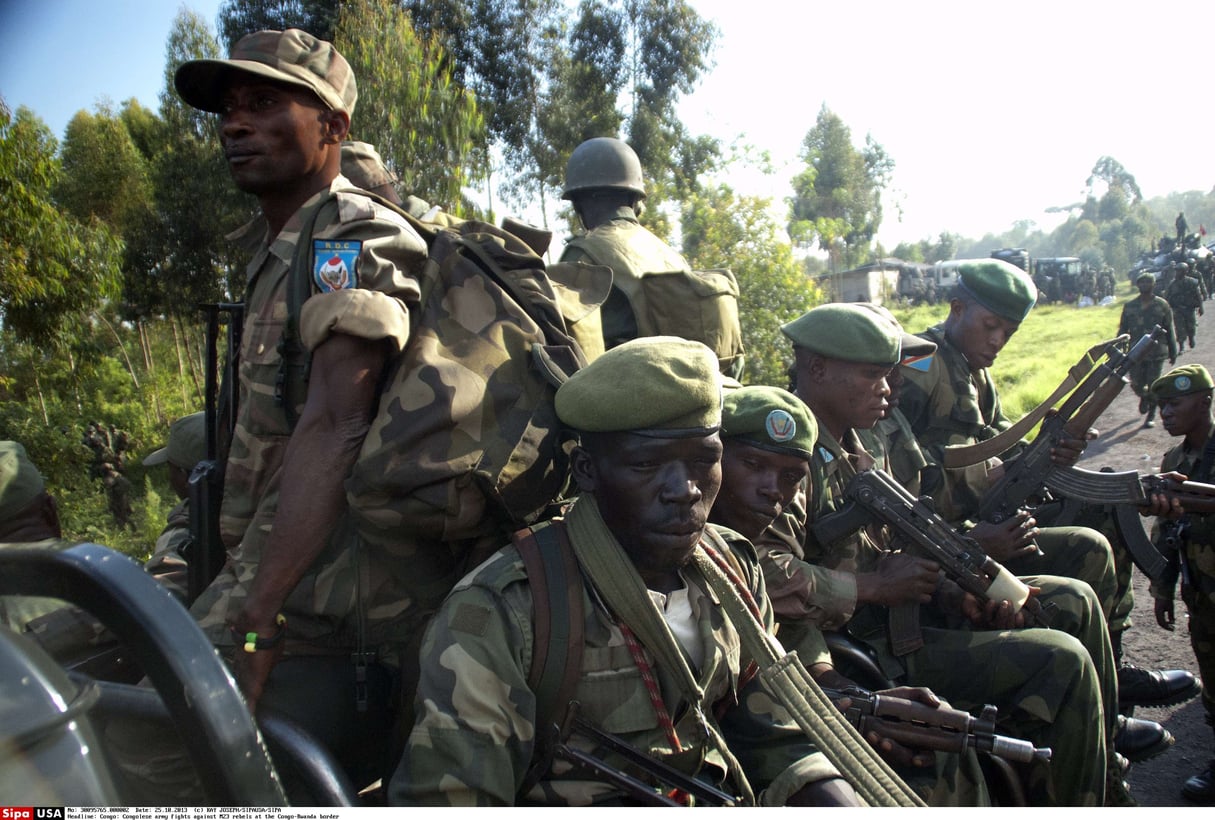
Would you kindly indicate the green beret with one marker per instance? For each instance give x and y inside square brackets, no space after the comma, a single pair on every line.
[1146,276]
[1004,289]
[846,331]
[20,481]
[656,385]
[187,443]
[1181,381]
[909,343]
[770,418]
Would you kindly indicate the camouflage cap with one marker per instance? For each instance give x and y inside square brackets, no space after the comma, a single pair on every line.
[769,418]
[1181,381]
[662,386]
[909,344]
[846,331]
[292,56]
[20,481]
[363,166]
[187,443]
[1146,276]
[1004,289]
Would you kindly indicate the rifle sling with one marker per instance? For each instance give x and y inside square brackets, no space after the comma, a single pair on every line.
[965,455]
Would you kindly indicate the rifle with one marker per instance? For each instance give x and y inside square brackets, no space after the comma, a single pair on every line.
[1033,471]
[205,552]
[873,495]
[673,783]
[942,728]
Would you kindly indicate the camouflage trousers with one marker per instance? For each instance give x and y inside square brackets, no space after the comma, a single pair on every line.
[1144,373]
[1198,593]
[1084,554]
[1187,324]
[1045,684]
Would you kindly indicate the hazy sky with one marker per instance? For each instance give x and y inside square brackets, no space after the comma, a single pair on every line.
[992,112]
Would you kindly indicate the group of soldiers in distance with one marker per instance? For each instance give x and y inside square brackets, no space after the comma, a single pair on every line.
[661,427]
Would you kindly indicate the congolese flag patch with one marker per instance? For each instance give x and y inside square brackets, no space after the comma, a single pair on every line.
[335,264]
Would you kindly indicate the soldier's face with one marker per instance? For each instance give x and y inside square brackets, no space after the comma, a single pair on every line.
[654,495]
[756,485]
[276,137]
[844,395]
[978,333]
[1182,415]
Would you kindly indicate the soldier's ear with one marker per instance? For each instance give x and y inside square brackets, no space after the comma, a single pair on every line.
[336,125]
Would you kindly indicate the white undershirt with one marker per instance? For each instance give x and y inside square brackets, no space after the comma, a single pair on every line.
[677,612]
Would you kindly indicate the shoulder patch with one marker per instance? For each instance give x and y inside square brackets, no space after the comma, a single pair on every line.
[335,264]
[470,619]
[920,363]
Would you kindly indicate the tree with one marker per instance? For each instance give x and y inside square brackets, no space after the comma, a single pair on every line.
[724,230]
[426,127]
[54,268]
[237,18]
[837,201]
[1110,171]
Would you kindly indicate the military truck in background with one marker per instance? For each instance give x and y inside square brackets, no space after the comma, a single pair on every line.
[1059,278]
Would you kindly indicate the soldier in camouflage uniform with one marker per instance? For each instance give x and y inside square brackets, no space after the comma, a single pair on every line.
[1185,297]
[1139,316]
[186,447]
[1044,682]
[648,467]
[308,618]
[1184,395]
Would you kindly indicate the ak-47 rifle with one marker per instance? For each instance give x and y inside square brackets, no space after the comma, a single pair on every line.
[941,728]
[206,554]
[908,722]
[873,496]
[1032,475]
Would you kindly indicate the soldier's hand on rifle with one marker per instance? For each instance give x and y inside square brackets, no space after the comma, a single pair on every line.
[891,750]
[1067,450]
[1009,539]
[1165,505]
[1164,614]
[994,614]
[899,579]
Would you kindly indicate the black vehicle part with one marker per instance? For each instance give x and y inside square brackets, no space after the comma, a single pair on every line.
[198,690]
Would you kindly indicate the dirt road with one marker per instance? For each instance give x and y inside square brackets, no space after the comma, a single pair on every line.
[1125,444]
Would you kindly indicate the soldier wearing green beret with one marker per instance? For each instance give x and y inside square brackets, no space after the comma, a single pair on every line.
[857,580]
[1188,539]
[955,401]
[648,467]
[1139,316]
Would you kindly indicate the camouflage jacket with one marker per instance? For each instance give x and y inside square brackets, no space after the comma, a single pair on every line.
[1196,551]
[364,265]
[949,403]
[631,251]
[1184,294]
[168,561]
[1138,318]
[475,736]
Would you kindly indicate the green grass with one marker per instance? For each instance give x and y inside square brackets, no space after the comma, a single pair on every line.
[1050,340]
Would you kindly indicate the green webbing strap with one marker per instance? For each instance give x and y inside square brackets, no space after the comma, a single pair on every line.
[621,588]
[784,676]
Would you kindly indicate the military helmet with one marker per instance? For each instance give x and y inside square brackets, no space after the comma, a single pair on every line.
[603,162]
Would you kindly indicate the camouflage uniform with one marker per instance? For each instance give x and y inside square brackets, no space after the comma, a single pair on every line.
[950,404]
[348,589]
[475,738]
[1186,300]
[168,561]
[1139,317]
[1195,563]
[631,251]
[1046,683]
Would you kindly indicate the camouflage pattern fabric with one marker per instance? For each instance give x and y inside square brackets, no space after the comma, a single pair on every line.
[1048,684]
[1185,297]
[1139,318]
[382,257]
[475,736]
[950,404]
[168,562]
[1195,563]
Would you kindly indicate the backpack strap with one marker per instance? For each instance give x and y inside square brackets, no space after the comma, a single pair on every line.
[558,626]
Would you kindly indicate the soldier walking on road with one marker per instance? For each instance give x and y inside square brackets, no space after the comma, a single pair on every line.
[1139,316]
[1185,297]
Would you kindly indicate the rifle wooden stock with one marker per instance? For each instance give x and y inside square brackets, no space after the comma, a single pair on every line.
[944,729]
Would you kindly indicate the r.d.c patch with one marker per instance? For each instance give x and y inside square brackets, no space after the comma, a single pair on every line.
[335,264]
[780,426]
